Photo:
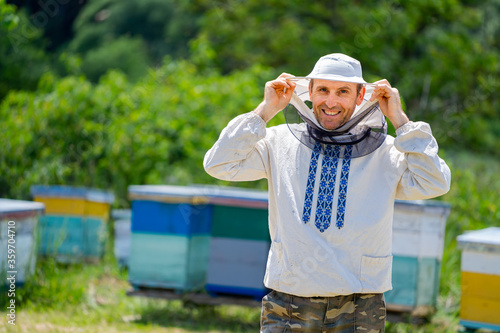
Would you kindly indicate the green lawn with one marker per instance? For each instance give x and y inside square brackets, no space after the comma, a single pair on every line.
[92,298]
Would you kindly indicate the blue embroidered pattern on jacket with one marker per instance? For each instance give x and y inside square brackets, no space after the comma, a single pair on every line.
[327,187]
[311,179]
[344,177]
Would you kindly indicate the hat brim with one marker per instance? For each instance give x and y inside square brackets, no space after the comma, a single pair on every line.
[329,77]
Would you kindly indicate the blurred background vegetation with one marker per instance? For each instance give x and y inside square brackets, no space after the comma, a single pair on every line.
[106,94]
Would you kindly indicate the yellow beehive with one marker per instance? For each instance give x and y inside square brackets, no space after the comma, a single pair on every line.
[480,303]
[75,223]
[75,206]
[62,206]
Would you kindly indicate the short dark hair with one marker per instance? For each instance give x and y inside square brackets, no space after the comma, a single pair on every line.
[358,88]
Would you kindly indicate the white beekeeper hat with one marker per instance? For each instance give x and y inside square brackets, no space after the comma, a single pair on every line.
[337,67]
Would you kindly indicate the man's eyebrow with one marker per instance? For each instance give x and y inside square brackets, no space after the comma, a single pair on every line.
[339,88]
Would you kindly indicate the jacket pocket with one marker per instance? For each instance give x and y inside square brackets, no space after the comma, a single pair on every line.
[376,274]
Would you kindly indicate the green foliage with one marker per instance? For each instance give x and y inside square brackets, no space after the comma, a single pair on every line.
[165,26]
[22,59]
[8,18]
[125,54]
[130,35]
[115,133]
[441,55]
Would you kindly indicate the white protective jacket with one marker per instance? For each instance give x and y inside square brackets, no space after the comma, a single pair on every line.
[357,257]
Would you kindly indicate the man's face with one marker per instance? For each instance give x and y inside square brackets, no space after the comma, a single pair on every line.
[334,101]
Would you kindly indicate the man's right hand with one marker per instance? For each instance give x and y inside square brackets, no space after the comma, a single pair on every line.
[277,95]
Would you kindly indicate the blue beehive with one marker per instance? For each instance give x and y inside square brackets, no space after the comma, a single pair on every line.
[170,237]
[18,225]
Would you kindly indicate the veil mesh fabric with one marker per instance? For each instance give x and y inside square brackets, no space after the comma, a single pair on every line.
[365,131]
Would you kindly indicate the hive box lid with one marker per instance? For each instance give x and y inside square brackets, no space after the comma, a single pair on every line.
[168,194]
[424,206]
[15,208]
[485,240]
[74,192]
[121,214]
[236,197]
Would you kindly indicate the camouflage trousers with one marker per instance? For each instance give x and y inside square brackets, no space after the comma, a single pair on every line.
[340,314]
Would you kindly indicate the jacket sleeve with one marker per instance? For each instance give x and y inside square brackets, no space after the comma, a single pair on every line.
[426,175]
[240,153]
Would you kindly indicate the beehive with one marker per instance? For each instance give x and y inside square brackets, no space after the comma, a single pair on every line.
[75,223]
[18,225]
[170,237]
[418,241]
[240,242]
[480,302]
[123,230]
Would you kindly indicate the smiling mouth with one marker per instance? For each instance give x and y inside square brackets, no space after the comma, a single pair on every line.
[331,112]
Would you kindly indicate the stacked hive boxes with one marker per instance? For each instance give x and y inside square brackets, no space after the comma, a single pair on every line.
[18,224]
[480,303]
[418,241]
[240,242]
[170,237]
[75,225]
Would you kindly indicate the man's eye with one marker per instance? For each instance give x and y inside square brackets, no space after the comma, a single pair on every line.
[344,91]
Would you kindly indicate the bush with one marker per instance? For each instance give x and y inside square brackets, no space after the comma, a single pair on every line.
[124,54]
[116,133]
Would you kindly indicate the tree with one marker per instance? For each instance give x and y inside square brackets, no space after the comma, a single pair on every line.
[22,58]
[165,26]
[53,17]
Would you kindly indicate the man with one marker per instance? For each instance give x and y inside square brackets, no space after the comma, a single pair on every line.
[332,184]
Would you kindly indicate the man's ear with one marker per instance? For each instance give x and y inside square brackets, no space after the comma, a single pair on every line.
[361,95]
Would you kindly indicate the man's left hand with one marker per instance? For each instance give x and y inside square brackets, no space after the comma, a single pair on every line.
[390,103]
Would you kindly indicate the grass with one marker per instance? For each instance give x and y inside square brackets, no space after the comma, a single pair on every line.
[92,298]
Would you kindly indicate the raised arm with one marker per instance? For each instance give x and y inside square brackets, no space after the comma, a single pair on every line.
[426,175]
[241,153]
[277,95]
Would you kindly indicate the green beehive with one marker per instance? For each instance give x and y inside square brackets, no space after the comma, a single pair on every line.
[239,242]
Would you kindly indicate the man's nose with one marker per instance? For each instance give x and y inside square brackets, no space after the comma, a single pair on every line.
[331,100]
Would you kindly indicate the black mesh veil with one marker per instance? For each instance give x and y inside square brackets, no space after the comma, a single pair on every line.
[365,131]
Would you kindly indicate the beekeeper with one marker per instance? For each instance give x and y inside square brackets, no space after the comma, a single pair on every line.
[333,175]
